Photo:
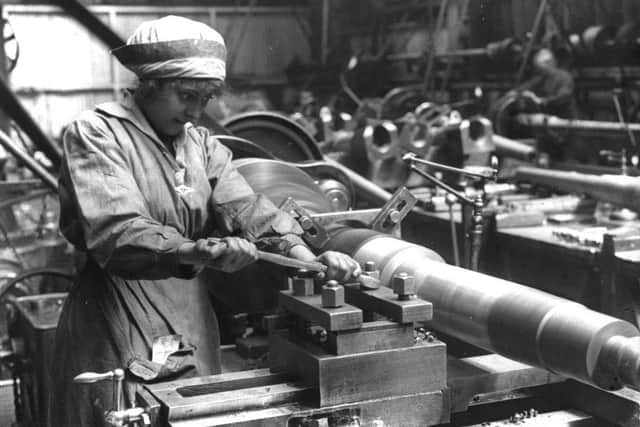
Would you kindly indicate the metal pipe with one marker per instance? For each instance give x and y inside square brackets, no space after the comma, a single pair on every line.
[545,121]
[483,173]
[621,190]
[621,119]
[593,169]
[428,74]
[515,321]
[529,48]
[365,189]
[12,106]
[459,23]
[90,21]
[514,149]
[29,162]
[324,34]
[459,53]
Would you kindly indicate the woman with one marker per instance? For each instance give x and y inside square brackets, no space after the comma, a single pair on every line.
[141,192]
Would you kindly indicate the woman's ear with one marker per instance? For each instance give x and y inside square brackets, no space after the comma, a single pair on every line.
[147,88]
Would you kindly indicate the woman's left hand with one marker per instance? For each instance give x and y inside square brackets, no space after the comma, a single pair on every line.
[340,266]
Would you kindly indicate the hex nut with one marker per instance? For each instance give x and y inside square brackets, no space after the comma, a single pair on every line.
[370,266]
[332,295]
[404,286]
[302,286]
[371,270]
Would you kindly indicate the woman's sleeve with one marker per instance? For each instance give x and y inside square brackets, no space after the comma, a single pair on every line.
[240,211]
[563,91]
[109,216]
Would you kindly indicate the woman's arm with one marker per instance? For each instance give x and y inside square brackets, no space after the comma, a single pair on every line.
[104,212]
[256,218]
[340,266]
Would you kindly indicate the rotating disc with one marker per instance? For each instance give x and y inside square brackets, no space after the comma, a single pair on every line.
[277,134]
[278,180]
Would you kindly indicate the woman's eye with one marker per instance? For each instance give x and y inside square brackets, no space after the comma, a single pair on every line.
[187,97]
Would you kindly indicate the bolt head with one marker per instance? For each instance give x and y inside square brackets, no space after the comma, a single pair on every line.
[370,270]
[306,223]
[302,286]
[332,283]
[332,296]
[394,216]
[404,285]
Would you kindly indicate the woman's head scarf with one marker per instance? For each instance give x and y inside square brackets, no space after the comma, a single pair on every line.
[174,47]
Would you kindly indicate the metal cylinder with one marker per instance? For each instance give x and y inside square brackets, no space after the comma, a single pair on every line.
[514,149]
[522,323]
[621,190]
[545,121]
[365,189]
[381,140]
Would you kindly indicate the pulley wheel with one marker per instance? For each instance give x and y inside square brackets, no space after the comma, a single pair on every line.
[255,288]
[505,109]
[276,134]
[400,101]
[10,45]
[599,39]
[242,148]
[628,40]
[278,180]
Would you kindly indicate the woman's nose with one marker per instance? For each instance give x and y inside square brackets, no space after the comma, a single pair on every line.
[193,112]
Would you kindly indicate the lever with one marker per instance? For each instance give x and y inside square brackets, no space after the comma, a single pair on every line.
[94,377]
[118,417]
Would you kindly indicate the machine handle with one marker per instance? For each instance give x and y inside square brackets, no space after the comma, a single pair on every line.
[367,282]
[94,377]
[291,262]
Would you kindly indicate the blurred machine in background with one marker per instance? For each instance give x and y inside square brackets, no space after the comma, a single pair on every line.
[415,152]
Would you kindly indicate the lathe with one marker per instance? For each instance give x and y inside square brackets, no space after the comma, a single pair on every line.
[398,355]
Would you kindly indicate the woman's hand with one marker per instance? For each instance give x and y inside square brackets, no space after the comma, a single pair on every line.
[228,254]
[237,254]
[340,266]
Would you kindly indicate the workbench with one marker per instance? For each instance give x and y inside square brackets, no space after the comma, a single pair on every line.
[603,279]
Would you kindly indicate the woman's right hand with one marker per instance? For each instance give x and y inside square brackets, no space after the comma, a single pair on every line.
[200,252]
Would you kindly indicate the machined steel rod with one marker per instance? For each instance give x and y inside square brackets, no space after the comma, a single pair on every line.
[621,190]
[513,148]
[513,320]
[546,121]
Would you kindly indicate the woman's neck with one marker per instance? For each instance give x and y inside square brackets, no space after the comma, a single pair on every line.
[166,139]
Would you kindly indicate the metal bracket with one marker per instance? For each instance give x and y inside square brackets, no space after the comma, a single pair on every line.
[315,234]
[394,211]
[364,216]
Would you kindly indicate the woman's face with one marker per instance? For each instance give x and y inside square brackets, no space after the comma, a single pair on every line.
[170,104]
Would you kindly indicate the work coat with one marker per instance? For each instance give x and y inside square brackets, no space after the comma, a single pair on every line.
[556,88]
[129,202]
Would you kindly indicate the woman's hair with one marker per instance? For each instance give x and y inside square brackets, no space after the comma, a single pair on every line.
[148,86]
